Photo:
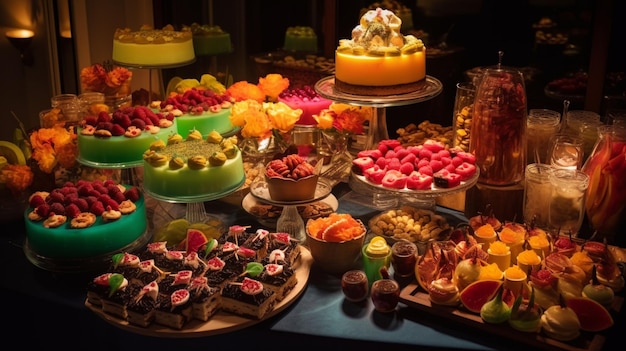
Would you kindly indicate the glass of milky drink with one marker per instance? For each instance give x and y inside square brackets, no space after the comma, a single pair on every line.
[537,194]
[567,200]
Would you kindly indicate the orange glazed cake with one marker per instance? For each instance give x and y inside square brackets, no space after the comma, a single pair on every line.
[379,60]
[153,47]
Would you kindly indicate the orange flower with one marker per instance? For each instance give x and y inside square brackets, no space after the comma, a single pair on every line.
[343,118]
[243,90]
[17,177]
[272,85]
[106,80]
[52,146]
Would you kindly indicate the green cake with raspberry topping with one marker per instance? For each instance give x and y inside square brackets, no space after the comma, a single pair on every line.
[115,220]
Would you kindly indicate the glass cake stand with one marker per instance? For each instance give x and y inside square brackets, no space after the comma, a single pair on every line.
[384,197]
[195,211]
[128,170]
[150,69]
[377,131]
[290,220]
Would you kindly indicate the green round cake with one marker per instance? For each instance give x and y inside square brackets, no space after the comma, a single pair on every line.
[193,169]
[98,234]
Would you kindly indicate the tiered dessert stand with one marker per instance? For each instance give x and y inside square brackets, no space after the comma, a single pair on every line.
[382,197]
[290,220]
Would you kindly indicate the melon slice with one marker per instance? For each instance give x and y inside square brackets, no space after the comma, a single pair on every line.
[195,240]
[593,316]
[12,153]
[475,295]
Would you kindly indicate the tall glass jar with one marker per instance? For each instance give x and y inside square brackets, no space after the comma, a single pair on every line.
[498,137]
[606,195]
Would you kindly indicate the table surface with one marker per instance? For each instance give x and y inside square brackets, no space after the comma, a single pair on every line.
[49,308]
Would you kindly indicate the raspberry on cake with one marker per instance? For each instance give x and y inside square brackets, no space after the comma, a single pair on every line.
[378,59]
[198,109]
[122,136]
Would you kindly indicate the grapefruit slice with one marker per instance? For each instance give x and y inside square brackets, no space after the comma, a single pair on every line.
[475,295]
[12,153]
[195,240]
[593,316]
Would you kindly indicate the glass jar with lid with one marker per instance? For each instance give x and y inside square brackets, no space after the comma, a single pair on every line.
[498,137]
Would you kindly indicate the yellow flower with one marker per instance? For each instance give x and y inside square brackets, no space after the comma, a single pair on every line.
[281,116]
[258,119]
[325,119]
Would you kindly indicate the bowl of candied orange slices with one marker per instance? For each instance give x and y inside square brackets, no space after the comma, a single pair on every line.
[335,241]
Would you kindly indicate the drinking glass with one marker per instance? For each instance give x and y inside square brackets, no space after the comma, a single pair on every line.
[541,125]
[537,194]
[565,152]
[567,200]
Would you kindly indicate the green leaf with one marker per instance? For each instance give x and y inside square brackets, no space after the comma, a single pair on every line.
[254,269]
[115,281]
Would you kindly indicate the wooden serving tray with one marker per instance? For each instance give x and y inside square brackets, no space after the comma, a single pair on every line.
[222,321]
[414,296]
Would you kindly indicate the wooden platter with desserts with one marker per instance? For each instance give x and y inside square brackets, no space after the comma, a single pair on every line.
[576,288]
[222,264]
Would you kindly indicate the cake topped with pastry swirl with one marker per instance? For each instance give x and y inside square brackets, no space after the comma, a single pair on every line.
[394,63]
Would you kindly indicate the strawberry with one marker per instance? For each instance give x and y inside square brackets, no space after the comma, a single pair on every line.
[418,181]
[401,152]
[382,162]
[406,168]
[457,161]
[427,170]
[444,153]
[394,179]
[390,154]
[425,153]
[394,163]
[408,158]
[422,162]
[436,165]
[414,149]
